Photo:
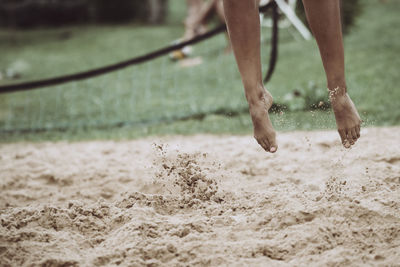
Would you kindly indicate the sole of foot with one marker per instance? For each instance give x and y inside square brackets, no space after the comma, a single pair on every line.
[264,132]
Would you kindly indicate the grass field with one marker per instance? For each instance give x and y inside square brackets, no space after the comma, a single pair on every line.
[160,97]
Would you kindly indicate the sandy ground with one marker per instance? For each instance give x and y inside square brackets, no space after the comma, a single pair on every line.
[202,200]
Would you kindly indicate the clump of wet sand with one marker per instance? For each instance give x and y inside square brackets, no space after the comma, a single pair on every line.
[202,200]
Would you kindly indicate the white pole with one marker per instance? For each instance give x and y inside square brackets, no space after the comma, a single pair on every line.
[291,15]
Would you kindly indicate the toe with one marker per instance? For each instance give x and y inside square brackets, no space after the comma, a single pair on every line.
[273,146]
[344,139]
[263,144]
[349,137]
[354,134]
[266,145]
[358,131]
[347,144]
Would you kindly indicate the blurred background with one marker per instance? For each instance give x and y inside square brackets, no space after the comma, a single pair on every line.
[194,90]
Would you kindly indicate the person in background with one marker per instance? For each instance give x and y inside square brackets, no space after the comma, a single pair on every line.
[198,14]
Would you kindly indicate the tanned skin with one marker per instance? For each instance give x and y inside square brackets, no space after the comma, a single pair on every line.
[243,23]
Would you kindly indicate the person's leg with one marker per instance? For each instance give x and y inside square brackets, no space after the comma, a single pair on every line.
[191,21]
[206,11]
[219,7]
[243,23]
[324,19]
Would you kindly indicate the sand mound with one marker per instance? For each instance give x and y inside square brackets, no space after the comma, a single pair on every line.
[202,200]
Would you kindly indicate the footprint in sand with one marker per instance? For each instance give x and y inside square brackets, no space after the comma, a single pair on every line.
[391,160]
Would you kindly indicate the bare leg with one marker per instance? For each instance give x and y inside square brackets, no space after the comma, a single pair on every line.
[244,30]
[191,22]
[324,19]
[219,7]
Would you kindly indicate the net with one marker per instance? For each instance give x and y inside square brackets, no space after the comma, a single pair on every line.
[156,91]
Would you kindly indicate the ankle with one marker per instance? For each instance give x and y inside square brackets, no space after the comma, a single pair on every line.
[258,95]
[259,108]
[337,93]
[335,83]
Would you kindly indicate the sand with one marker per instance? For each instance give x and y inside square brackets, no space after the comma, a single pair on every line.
[202,200]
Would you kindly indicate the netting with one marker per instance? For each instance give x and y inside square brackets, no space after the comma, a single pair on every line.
[156,91]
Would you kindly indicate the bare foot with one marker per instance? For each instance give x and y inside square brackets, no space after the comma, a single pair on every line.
[264,133]
[347,119]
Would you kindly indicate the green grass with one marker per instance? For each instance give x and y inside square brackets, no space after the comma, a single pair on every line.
[159,97]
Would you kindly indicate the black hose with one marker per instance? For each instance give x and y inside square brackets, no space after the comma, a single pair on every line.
[274,43]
